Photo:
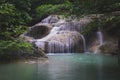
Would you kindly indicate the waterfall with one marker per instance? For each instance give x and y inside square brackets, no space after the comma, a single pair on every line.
[61,41]
[64,35]
[100,40]
[100,37]
[84,43]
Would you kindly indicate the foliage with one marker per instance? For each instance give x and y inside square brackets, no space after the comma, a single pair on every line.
[111,24]
[36,17]
[43,8]
[14,49]
[108,23]
[94,6]
[11,21]
[23,7]
[48,9]
[91,28]
[6,12]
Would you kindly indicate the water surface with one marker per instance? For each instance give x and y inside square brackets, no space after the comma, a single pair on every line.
[64,67]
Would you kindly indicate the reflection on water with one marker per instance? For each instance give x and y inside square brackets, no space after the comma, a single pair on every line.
[64,67]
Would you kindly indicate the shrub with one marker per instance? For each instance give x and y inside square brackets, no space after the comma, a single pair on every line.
[108,23]
[14,49]
[48,9]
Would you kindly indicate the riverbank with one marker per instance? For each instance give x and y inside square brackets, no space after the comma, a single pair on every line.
[30,60]
[11,51]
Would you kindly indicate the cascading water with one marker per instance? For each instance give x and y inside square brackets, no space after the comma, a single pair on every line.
[84,43]
[100,37]
[61,41]
[64,37]
[100,40]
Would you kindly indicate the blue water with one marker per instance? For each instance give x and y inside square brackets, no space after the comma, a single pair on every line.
[64,67]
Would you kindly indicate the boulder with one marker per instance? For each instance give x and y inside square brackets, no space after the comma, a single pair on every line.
[109,48]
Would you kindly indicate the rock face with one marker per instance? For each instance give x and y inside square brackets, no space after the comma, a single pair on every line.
[51,19]
[96,42]
[38,31]
[62,41]
[109,48]
[55,34]
[109,45]
[39,53]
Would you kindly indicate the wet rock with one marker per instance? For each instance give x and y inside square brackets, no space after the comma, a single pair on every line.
[51,19]
[94,47]
[109,48]
[62,41]
[38,31]
[40,53]
[57,34]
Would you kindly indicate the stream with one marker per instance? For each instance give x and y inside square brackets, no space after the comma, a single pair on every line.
[64,67]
